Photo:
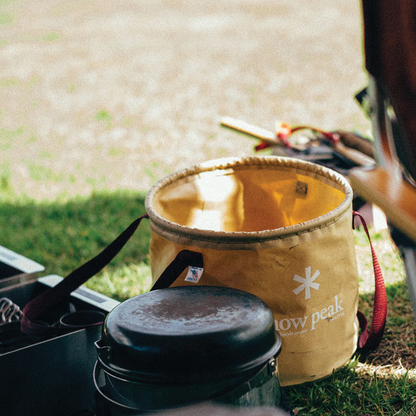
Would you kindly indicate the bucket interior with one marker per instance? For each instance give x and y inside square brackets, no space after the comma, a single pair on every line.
[247,199]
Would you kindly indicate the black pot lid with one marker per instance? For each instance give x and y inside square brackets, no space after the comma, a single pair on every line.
[186,333]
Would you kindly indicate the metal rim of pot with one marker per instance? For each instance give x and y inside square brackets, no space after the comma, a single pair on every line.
[257,380]
[237,338]
[238,324]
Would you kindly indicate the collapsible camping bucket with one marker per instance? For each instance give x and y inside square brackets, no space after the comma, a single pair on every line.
[180,346]
[279,228]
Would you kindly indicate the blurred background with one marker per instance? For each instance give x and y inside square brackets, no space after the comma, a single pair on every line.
[117,94]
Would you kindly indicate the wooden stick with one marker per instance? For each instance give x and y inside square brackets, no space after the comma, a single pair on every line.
[269,137]
[251,130]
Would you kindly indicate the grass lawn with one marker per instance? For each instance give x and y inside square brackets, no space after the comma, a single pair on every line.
[63,234]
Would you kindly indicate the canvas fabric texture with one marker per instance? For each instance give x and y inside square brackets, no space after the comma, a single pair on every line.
[279,228]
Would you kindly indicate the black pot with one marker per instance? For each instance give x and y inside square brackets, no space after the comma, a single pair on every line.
[183,345]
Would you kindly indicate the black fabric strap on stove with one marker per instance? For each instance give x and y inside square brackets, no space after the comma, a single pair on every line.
[59,293]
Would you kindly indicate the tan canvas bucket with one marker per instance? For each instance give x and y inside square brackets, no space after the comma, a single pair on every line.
[279,228]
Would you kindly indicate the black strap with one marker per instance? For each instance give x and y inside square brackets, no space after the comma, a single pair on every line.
[182,260]
[59,293]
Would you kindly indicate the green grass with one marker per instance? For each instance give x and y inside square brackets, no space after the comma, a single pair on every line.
[6,19]
[105,117]
[356,391]
[64,233]
[7,137]
[382,382]
[51,37]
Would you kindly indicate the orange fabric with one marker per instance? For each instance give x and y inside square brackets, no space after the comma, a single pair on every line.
[276,227]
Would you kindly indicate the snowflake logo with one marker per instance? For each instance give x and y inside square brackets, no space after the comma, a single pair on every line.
[307,282]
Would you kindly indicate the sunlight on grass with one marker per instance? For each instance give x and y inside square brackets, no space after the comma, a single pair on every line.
[356,390]
[105,117]
[123,282]
[11,82]
[64,234]
[388,256]
[386,370]
[51,37]
[7,137]
[6,19]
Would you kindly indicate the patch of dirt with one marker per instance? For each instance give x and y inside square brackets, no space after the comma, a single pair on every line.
[118,94]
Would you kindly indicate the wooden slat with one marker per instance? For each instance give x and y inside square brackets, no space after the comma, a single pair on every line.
[390,57]
[393,195]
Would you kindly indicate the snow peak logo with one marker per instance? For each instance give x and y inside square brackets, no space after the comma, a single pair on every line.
[307,282]
[303,324]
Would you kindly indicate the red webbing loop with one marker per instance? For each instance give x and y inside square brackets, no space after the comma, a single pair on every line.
[262,146]
[371,340]
[332,137]
[284,131]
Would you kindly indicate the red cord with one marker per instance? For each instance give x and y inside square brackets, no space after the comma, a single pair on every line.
[371,340]
[284,131]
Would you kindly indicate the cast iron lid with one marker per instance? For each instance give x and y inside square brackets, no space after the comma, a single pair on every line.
[188,333]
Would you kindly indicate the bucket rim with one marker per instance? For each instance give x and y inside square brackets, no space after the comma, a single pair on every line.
[172,230]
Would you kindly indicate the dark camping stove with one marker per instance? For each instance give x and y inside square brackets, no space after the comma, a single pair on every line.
[166,349]
[44,375]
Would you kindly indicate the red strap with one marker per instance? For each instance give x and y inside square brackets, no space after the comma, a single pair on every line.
[371,340]
[287,131]
[284,131]
[262,146]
